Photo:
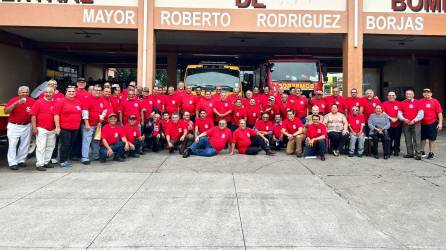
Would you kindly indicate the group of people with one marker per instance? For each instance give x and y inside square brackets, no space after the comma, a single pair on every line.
[103,123]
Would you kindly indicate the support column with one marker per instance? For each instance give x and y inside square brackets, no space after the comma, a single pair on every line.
[172,63]
[146,43]
[353,48]
[437,80]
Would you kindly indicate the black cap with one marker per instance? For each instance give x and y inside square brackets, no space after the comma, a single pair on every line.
[80,79]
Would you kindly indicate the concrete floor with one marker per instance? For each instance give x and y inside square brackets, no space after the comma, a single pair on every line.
[162,201]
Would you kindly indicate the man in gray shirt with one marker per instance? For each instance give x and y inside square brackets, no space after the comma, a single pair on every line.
[379,123]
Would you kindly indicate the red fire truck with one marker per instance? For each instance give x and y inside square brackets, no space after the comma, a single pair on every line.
[304,73]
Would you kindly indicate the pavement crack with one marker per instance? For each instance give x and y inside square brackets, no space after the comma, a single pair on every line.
[238,209]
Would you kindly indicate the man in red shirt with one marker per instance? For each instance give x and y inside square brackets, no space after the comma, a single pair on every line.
[411,114]
[190,137]
[431,123]
[19,127]
[252,113]
[235,95]
[114,143]
[320,102]
[337,99]
[278,140]
[172,102]
[391,108]
[43,128]
[210,142]
[57,95]
[189,103]
[134,138]
[130,106]
[81,92]
[176,133]
[158,99]
[203,123]
[223,109]
[316,138]
[206,103]
[265,127]
[249,141]
[180,92]
[154,135]
[356,125]
[353,101]
[67,118]
[272,108]
[238,113]
[217,95]
[299,104]
[293,129]
[93,114]
[369,103]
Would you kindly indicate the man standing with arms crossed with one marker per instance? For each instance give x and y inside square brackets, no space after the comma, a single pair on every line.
[431,123]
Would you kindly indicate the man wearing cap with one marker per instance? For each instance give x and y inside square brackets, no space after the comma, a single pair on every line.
[431,123]
[57,95]
[293,129]
[410,115]
[272,108]
[319,101]
[391,107]
[81,92]
[43,128]
[93,114]
[210,142]
[114,143]
[19,127]
[299,104]
[176,133]
[134,137]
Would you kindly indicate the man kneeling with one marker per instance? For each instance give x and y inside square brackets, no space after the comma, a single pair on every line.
[248,141]
[114,142]
[210,142]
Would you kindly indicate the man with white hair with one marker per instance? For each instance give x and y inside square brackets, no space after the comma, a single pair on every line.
[43,128]
[19,127]
[57,95]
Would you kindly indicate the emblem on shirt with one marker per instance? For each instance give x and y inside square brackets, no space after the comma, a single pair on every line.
[136,105]
[78,108]
[134,134]
[226,104]
[267,128]
[323,106]
[301,102]
[237,114]
[158,101]
[210,105]
[180,130]
[411,106]
[223,136]
[337,103]
[190,102]
[374,104]
[254,114]
[357,121]
[395,107]
[101,105]
[357,104]
[294,126]
[428,105]
[173,102]
[116,135]
[247,134]
[206,126]
[319,131]
[151,103]
[28,109]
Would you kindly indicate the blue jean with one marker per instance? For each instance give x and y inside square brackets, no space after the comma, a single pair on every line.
[361,140]
[203,148]
[118,150]
[319,147]
[87,141]
[138,147]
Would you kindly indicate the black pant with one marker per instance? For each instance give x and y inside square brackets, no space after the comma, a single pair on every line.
[76,151]
[385,141]
[337,140]
[257,144]
[395,139]
[154,143]
[67,140]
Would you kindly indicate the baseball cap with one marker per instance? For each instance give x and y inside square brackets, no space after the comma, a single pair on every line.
[427,90]
[112,114]
[80,79]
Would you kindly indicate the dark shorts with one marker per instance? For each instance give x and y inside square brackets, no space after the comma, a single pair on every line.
[429,132]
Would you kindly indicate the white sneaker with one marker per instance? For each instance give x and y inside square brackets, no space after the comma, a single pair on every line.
[54,161]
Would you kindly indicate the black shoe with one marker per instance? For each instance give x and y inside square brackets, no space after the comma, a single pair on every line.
[351,155]
[408,156]
[322,157]
[418,157]
[269,152]
[22,165]
[14,167]
[376,156]
[74,158]
[40,168]
[187,152]
[396,154]
[49,165]
[430,156]
[423,154]
[86,163]
[171,150]
[118,159]
[134,155]
[141,153]
[386,157]
[360,155]
[101,160]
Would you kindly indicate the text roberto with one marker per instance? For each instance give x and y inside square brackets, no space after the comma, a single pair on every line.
[109,16]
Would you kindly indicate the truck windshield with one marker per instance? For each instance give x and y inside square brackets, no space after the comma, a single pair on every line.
[211,77]
[295,72]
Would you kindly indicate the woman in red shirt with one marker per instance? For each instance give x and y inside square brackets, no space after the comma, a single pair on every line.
[67,117]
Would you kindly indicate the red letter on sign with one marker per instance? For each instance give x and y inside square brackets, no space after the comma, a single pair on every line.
[399,5]
[242,3]
[255,4]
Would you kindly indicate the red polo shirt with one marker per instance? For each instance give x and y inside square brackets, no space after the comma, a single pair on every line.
[321,104]
[132,132]
[158,102]
[43,110]
[237,114]
[176,130]
[264,126]
[82,94]
[116,103]
[165,124]
[189,104]
[147,106]
[253,114]
[431,109]
[112,134]
[172,104]
[338,100]
[208,106]
[219,138]
[242,139]
[299,105]
[369,106]
[131,107]
[70,113]
[293,126]
[223,107]
[314,131]
[391,109]
[277,130]
[22,112]
[410,109]
[204,124]
[94,106]
[189,124]
[356,122]
[353,102]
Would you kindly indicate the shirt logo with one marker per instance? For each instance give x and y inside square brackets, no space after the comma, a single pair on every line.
[223,136]
[395,107]
[116,135]
[294,126]
[150,102]
[134,134]
[136,105]
[248,134]
[206,126]
[357,104]
[301,102]
[323,106]
[374,104]
[78,108]
[173,102]
[357,121]
[411,106]
[226,104]
[158,101]
[210,105]
[101,105]
[428,105]
[319,131]
[237,114]
[28,109]
[190,102]
[337,103]
[180,130]
[254,114]
[267,128]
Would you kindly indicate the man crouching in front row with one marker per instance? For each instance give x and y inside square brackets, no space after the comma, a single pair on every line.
[114,143]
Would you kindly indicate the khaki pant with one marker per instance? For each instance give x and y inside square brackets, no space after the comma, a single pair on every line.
[294,145]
